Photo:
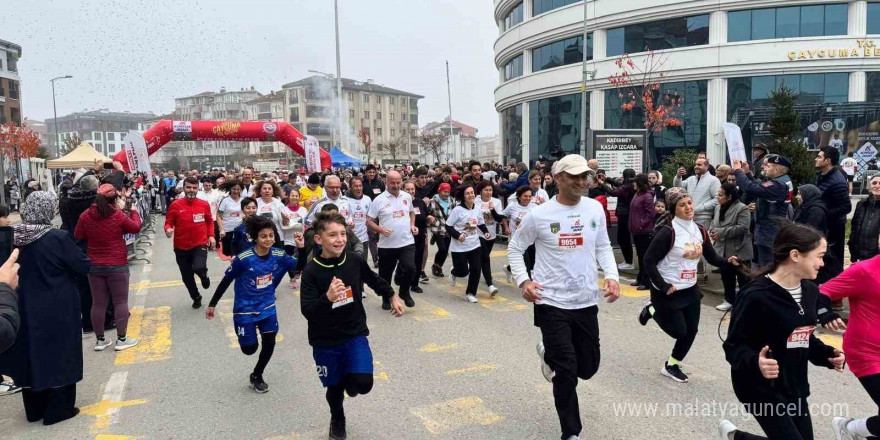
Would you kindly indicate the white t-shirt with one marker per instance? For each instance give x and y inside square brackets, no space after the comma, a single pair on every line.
[849,166]
[515,214]
[272,211]
[296,216]
[342,203]
[679,267]
[465,221]
[393,213]
[569,242]
[485,208]
[230,213]
[359,209]
[836,143]
[538,197]
[213,198]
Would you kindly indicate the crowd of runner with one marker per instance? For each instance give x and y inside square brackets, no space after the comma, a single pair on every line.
[781,264]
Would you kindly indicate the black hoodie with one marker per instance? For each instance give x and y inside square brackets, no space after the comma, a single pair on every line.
[766,315]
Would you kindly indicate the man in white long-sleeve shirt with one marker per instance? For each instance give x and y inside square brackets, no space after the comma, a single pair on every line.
[703,189]
[571,239]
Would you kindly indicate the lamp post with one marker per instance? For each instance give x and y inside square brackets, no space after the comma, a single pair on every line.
[587,75]
[55,112]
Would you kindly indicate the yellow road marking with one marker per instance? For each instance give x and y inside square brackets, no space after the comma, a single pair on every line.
[379,373]
[501,253]
[479,368]
[833,340]
[103,410]
[155,284]
[434,348]
[224,311]
[444,417]
[498,303]
[427,312]
[152,327]
[627,290]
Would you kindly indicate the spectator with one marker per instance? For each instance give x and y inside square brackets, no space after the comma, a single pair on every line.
[703,188]
[521,180]
[46,358]
[865,227]
[772,200]
[641,225]
[813,211]
[835,192]
[722,172]
[849,167]
[624,194]
[9,318]
[759,156]
[730,233]
[655,180]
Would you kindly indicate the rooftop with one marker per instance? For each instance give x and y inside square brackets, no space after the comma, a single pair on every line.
[273,96]
[104,115]
[350,84]
[466,130]
[9,45]
[222,91]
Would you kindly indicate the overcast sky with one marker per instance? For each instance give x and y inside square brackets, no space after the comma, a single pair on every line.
[138,55]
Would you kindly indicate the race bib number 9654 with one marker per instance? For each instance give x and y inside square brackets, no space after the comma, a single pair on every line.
[570,240]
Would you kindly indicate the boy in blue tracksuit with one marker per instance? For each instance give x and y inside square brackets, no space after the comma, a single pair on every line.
[256,272]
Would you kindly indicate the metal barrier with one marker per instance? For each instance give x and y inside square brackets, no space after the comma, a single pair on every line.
[135,243]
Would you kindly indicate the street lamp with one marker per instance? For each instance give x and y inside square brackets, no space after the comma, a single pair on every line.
[55,111]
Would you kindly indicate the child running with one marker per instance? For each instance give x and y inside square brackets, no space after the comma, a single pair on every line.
[256,272]
[333,306]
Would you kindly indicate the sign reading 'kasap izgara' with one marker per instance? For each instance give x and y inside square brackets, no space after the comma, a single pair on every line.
[865,48]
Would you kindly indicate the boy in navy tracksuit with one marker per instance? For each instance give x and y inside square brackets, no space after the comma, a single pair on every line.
[331,301]
[256,272]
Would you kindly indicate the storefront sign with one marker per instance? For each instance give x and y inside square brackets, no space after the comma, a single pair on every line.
[864,48]
[618,150]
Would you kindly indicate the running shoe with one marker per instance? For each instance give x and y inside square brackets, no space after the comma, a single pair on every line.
[645,314]
[8,387]
[674,372]
[838,424]
[625,266]
[471,298]
[337,429]
[206,283]
[423,277]
[416,289]
[545,369]
[726,430]
[634,284]
[293,284]
[88,330]
[102,344]
[437,271]
[451,280]
[642,288]
[258,384]
[408,300]
[508,273]
[386,304]
[128,343]
[574,437]
[493,290]
[723,307]
[197,303]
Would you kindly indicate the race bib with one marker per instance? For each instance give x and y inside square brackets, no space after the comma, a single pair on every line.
[347,299]
[570,240]
[359,216]
[416,211]
[264,281]
[236,214]
[688,274]
[397,214]
[800,337]
[377,191]
[198,218]
[472,222]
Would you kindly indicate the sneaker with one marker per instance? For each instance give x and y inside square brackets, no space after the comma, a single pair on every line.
[471,298]
[408,300]
[337,429]
[101,344]
[363,295]
[437,271]
[625,266]
[451,280]
[642,288]
[128,343]
[386,304]
[197,303]
[838,424]
[423,277]
[8,387]
[258,384]
[206,283]
[723,307]
[293,284]
[493,291]
[634,284]
[645,314]
[508,273]
[88,330]
[674,372]
[725,429]
[574,437]
[545,369]
[416,289]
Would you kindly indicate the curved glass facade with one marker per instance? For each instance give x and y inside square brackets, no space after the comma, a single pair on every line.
[814,88]
[555,126]
[542,6]
[513,17]
[659,35]
[513,68]
[874,18]
[873,85]
[561,53]
[787,22]
[511,133]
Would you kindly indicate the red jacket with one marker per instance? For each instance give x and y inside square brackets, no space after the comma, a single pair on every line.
[105,243]
[191,221]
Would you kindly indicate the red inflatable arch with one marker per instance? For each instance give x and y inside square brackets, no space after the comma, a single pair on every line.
[244,131]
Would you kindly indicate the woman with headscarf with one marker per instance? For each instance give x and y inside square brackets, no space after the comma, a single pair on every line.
[729,231]
[813,211]
[46,358]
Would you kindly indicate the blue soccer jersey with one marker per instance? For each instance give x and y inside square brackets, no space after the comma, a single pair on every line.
[256,278]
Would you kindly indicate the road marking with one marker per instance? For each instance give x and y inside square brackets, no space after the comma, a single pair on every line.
[155,285]
[627,290]
[501,253]
[148,268]
[106,412]
[434,348]
[224,310]
[379,373]
[833,340]
[479,368]
[428,313]
[498,304]
[152,327]
[444,417]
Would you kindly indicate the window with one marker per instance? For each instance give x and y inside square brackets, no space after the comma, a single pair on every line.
[392,132]
[366,114]
[513,17]
[11,62]
[378,99]
[659,35]
[367,129]
[13,89]
[379,115]
[692,132]
[788,22]
[351,113]
[351,96]
[264,108]
[378,131]
[513,68]
[111,148]
[315,129]
[414,103]
[555,125]
[99,136]
[542,6]
[391,116]
[367,99]
[111,136]
[403,117]
[294,114]
[874,18]
[317,111]
[293,97]
[873,83]
[391,100]
[414,118]
[812,88]
[560,53]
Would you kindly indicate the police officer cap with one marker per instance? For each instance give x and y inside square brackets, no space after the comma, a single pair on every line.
[779,160]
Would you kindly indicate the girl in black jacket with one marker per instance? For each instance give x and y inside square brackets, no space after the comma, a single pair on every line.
[770,339]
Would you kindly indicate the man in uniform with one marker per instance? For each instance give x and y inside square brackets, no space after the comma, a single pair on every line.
[772,197]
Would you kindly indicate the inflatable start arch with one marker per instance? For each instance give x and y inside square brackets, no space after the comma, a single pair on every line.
[244,131]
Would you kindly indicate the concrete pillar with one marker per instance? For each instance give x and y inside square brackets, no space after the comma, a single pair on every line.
[527,10]
[716,106]
[527,62]
[718,27]
[858,90]
[858,18]
[525,131]
[600,44]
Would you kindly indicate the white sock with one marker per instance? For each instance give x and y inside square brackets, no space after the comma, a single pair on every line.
[859,427]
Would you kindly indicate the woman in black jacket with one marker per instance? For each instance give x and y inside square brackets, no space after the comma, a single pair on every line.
[770,338]
[625,193]
[813,211]
[865,228]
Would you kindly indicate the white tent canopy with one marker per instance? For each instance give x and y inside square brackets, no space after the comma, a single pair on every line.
[82,156]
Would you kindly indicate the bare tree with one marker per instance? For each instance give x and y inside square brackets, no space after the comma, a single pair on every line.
[70,144]
[392,147]
[365,139]
[433,143]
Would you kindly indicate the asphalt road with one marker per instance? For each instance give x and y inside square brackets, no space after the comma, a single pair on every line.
[446,370]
